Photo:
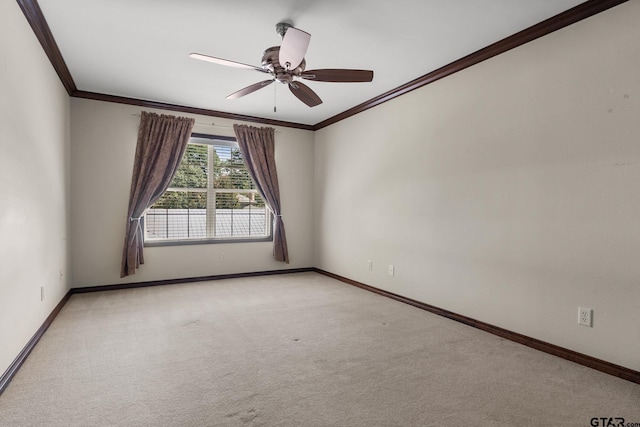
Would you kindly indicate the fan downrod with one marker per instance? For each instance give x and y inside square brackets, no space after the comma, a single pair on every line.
[282,27]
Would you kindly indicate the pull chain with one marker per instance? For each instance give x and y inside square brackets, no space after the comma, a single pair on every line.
[274,98]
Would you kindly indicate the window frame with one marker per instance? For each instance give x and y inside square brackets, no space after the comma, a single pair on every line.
[212,140]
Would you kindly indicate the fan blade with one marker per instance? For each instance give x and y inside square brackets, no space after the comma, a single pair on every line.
[305,94]
[293,48]
[249,89]
[226,62]
[338,75]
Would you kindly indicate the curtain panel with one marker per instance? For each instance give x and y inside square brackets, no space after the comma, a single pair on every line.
[162,140]
[257,146]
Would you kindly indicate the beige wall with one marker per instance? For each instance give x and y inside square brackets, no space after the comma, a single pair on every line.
[103,144]
[508,192]
[34,195]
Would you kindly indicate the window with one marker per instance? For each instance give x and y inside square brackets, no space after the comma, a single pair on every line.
[211,198]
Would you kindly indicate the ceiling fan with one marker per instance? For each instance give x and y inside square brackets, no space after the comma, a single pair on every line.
[286,63]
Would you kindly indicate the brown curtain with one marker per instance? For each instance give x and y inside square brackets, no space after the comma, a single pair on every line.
[162,141]
[258,150]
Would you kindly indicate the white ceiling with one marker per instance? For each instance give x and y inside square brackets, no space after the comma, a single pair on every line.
[139,48]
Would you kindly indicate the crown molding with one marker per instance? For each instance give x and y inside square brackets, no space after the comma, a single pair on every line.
[185,109]
[33,13]
[36,19]
[564,19]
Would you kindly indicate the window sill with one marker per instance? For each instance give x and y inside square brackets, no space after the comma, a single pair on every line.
[187,242]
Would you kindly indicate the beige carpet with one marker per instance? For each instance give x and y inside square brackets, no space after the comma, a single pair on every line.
[291,350]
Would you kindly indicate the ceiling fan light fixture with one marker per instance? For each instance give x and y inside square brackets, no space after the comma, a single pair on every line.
[286,62]
[293,48]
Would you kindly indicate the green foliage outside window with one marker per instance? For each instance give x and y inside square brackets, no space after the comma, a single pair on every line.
[193,172]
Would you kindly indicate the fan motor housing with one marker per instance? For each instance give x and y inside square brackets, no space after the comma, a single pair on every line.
[271,62]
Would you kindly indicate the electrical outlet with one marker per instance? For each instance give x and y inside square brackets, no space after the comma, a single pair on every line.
[223,257]
[585,316]
[391,270]
[370,265]
[42,293]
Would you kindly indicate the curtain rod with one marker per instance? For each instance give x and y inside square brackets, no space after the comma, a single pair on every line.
[198,123]
[206,124]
